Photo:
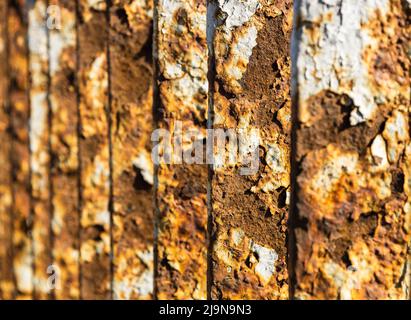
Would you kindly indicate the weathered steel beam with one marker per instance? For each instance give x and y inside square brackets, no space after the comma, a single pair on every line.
[39,145]
[131,126]
[94,150]
[181,188]
[64,148]
[352,150]
[250,210]
[20,149]
[6,258]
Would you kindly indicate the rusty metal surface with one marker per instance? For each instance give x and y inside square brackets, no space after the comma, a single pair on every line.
[352,184]
[39,145]
[6,262]
[80,100]
[64,147]
[131,126]
[249,212]
[19,113]
[181,188]
[94,150]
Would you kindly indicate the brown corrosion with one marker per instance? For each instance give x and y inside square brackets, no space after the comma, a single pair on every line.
[94,151]
[131,127]
[64,150]
[249,255]
[6,259]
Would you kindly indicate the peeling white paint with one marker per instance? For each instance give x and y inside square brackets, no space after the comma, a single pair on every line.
[135,282]
[266,258]
[38,120]
[396,133]
[24,273]
[379,152]
[62,38]
[98,5]
[330,51]
[37,31]
[237,235]
[276,158]
[338,164]
[261,258]
[144,164]
[97,81]
[238,12]
[241,51]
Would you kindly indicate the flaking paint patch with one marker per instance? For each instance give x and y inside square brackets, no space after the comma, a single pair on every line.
[379,152]
[266,259]
[396,134]
[331,54]
[241,51]
[240,29]
[138,285]
[143,163]
[260,260]
[61,38]
[238,12]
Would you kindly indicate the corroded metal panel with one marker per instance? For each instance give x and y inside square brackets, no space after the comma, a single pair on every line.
[64,148]
[131,126]
[352,172]
[20,154]
[6,262]
[39,142]
[252,97]
[181,191]
[94,150]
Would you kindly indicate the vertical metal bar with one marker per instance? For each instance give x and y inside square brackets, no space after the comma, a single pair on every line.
[352,149]
[39,142]
[181,189]
[94,151]
[6,257]
[64,147]
[20,150]
[250,186]
[131,97]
